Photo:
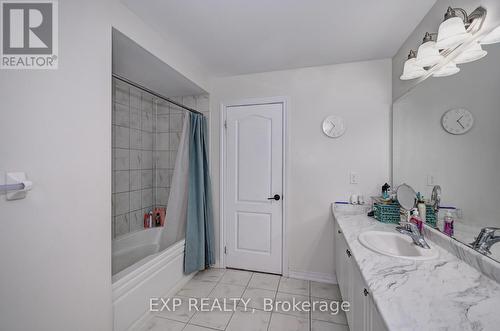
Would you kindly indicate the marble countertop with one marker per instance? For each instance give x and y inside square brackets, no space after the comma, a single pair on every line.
[441,294]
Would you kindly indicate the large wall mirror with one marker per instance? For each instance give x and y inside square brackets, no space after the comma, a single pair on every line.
[447,133]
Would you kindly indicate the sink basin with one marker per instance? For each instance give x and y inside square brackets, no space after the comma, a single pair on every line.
[396,245]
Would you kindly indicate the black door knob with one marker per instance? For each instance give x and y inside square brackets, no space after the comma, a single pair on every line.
[276,197]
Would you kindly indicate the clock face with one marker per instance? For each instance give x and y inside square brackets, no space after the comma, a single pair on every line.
[334,126]
[457,121]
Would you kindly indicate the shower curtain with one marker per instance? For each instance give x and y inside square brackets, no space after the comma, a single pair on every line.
[175,227]
[199,250]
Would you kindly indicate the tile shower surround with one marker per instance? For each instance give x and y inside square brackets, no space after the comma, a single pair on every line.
[142,135]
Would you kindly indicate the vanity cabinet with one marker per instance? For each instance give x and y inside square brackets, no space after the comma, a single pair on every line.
[363,315]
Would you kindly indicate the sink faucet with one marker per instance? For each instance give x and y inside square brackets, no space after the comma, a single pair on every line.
[411,229]
[485,240]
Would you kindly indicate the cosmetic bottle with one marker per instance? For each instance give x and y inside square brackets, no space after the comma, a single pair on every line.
[150,219]
[415,219]
[422,212]
[448,226]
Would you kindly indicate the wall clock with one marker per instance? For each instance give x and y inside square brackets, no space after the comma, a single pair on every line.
[334,126]
[457,121]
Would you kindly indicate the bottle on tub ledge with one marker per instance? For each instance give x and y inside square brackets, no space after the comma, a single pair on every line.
[422,212]
[148,220]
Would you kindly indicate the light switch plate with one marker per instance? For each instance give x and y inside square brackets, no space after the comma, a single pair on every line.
[353,177]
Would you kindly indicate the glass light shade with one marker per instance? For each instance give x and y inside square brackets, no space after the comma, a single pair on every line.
[428,55]
[492,38]
[411,70]
[473,53]
[451,33]
[448,70]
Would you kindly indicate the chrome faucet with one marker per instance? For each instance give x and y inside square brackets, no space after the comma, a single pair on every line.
[412,230]
[485,240]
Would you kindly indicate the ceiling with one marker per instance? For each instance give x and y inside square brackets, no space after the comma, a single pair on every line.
[138,65]
[232,37]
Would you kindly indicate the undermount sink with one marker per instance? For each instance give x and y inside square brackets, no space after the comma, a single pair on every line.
[395,245]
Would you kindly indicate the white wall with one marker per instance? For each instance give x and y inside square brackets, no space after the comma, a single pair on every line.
[161,46]
[465,166]
[55,246]
[430,23]
[361,93]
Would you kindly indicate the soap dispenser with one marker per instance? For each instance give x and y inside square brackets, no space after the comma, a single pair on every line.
[448,227]
[415,219]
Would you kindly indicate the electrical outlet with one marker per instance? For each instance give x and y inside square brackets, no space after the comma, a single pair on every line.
[353,177]
[431,180]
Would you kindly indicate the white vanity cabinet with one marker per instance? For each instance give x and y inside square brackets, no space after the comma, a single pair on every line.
[363,315]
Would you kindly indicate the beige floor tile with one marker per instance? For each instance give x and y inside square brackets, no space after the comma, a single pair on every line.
[294,286]
[325,291]
[257,296]
[281,322]
[328,316]
[325,326]
[197,289]
[251,320]
[264,281]
[236,277]
[162,324]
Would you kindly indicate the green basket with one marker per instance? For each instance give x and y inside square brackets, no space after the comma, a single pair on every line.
[386,212]
[430,216]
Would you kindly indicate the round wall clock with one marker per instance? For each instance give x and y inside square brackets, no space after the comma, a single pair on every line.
[457,121]
[334,126]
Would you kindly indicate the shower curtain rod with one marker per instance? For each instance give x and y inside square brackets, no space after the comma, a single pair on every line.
[145,89]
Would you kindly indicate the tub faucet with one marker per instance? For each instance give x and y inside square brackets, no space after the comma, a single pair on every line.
[412,230]
[485,240]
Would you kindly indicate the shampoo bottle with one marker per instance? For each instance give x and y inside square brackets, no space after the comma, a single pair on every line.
[422,212]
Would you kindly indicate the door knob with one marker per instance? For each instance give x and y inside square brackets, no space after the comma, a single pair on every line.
[276,197]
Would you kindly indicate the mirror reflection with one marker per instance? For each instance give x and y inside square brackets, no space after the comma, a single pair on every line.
[446,133]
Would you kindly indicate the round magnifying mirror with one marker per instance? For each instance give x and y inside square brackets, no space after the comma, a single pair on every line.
[406,196]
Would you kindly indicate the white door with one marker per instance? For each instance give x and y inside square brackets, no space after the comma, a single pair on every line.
[253,187]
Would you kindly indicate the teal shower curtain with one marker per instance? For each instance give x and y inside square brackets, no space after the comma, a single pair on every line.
[199,249]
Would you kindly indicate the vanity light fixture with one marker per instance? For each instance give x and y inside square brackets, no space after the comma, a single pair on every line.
[473,53]
[491,38]
[411,69]
[457,40]
[452,31]
[449,69]
[428,54]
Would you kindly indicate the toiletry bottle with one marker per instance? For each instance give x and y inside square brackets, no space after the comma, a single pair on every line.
[422,212]
[146,221]
[448,226]
[385,191]
[415,219]
[150,219]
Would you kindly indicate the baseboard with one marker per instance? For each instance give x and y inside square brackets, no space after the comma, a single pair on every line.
[314,276]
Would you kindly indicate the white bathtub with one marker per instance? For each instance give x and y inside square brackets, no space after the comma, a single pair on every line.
[140,272]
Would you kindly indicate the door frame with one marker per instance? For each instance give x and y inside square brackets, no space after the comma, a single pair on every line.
[285,174]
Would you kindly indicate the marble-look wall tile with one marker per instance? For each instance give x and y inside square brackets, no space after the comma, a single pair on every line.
[135,200]
[162,159]
[147,198]
[135,159]
[147,160]
[121,203]
[135,180]
[135,98]
[147,121]
[121,226]
[136,220]
[121,137]
[147,179]
[121,180]
[135,118]
[121,115]
[121,159]
[147,141]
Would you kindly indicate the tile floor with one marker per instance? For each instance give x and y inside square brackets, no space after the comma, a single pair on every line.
[222,283]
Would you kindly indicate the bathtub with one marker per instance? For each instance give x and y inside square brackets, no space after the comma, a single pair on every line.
[141,271]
